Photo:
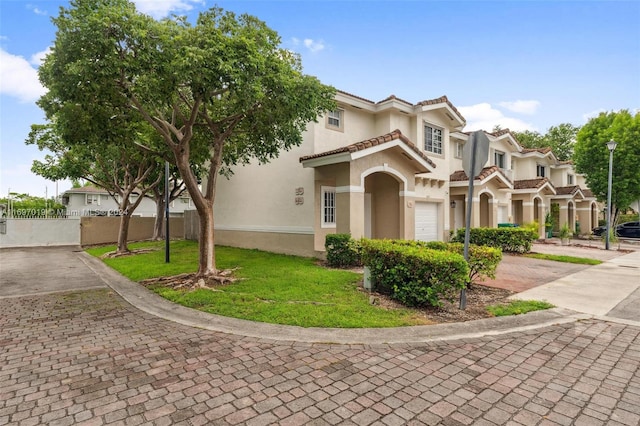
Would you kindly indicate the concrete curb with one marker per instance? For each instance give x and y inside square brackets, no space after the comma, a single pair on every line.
[149,302]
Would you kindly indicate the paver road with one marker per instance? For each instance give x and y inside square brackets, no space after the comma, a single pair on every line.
[88,357]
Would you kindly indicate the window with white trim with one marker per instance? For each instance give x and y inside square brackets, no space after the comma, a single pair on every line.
[328,208]
[459,149]
[335,119]
[92,199]
[432,139]
[498,159]
[570,180]
[540,170]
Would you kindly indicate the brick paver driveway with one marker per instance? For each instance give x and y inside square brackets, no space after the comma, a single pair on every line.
[90,358]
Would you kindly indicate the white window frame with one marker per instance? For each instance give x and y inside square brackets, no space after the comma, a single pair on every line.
[433,142]
[503,156]
[335,120]
[92,199]
[540,167]
[570,179]
[459,149]
[328,207]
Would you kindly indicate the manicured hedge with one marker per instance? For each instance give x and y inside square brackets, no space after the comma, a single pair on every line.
[413,274]
[483,260]
[513,240]
[342,251]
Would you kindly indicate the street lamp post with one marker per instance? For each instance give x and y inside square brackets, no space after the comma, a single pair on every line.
[611,145]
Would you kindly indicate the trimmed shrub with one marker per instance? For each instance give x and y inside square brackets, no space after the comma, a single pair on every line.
[483,260]
[342,251]
[510,240]
[413,274]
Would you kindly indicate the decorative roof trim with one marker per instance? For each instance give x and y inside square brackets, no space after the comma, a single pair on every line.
[487,174]
[357,150]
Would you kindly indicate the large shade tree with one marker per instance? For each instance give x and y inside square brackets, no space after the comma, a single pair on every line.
[222,84]
[591,157]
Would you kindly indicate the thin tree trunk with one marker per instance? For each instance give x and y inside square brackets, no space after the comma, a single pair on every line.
[158,226]
[207,261]
[123,233]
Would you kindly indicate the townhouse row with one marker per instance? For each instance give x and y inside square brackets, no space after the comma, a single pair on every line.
[393,169]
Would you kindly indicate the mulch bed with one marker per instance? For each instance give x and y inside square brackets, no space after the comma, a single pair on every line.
[479,297]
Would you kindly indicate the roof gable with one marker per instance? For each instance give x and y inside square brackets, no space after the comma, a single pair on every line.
[486,174]
[367,147]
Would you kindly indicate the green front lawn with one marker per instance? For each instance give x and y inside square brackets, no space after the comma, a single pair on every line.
[274,288]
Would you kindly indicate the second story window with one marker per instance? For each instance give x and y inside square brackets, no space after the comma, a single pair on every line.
[335,119]
[93,199]
[459,149]
[498,159]
[432,139]
[570,180]
[540,170]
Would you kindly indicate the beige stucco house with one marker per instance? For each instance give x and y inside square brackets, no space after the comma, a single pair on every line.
[391,169]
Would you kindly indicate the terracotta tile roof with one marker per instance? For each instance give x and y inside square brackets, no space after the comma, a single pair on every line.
[368,143]
[588,193]
[531,183]
[568,190]
[355,96]
[442,100]
[460,175]
[540,150]
[569,162]
[501,132]
[394,97]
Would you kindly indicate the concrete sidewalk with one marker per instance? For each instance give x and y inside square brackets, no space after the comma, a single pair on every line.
[600,290]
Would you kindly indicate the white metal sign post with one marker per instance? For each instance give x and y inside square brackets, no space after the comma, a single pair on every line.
[474,156]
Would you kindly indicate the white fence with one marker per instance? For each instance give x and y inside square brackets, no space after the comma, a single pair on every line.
[39,232]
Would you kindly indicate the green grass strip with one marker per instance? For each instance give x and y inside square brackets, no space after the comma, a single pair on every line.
[563,258]
[518,307]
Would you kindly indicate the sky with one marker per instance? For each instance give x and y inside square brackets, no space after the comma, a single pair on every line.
[522,65]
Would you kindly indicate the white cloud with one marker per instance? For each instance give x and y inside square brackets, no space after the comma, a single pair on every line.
[35,10]
[38,58]
[485,117]
[162,8]
[522,107]
[312,45]
[592,114]
[18,78]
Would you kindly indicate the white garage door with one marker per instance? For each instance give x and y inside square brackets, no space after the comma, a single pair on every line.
[427,221]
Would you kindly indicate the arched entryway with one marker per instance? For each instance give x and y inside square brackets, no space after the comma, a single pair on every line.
[382,206]
[485,210]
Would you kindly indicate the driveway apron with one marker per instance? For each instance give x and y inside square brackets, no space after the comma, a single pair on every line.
[38,270]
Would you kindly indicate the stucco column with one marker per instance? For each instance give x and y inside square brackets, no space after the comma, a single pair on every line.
[475,211]
[564,213]
[407,217]
[584,217]
[541,225]
[527,212]
[350,213]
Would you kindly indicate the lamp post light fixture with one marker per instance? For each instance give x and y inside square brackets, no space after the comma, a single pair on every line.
[611,145]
